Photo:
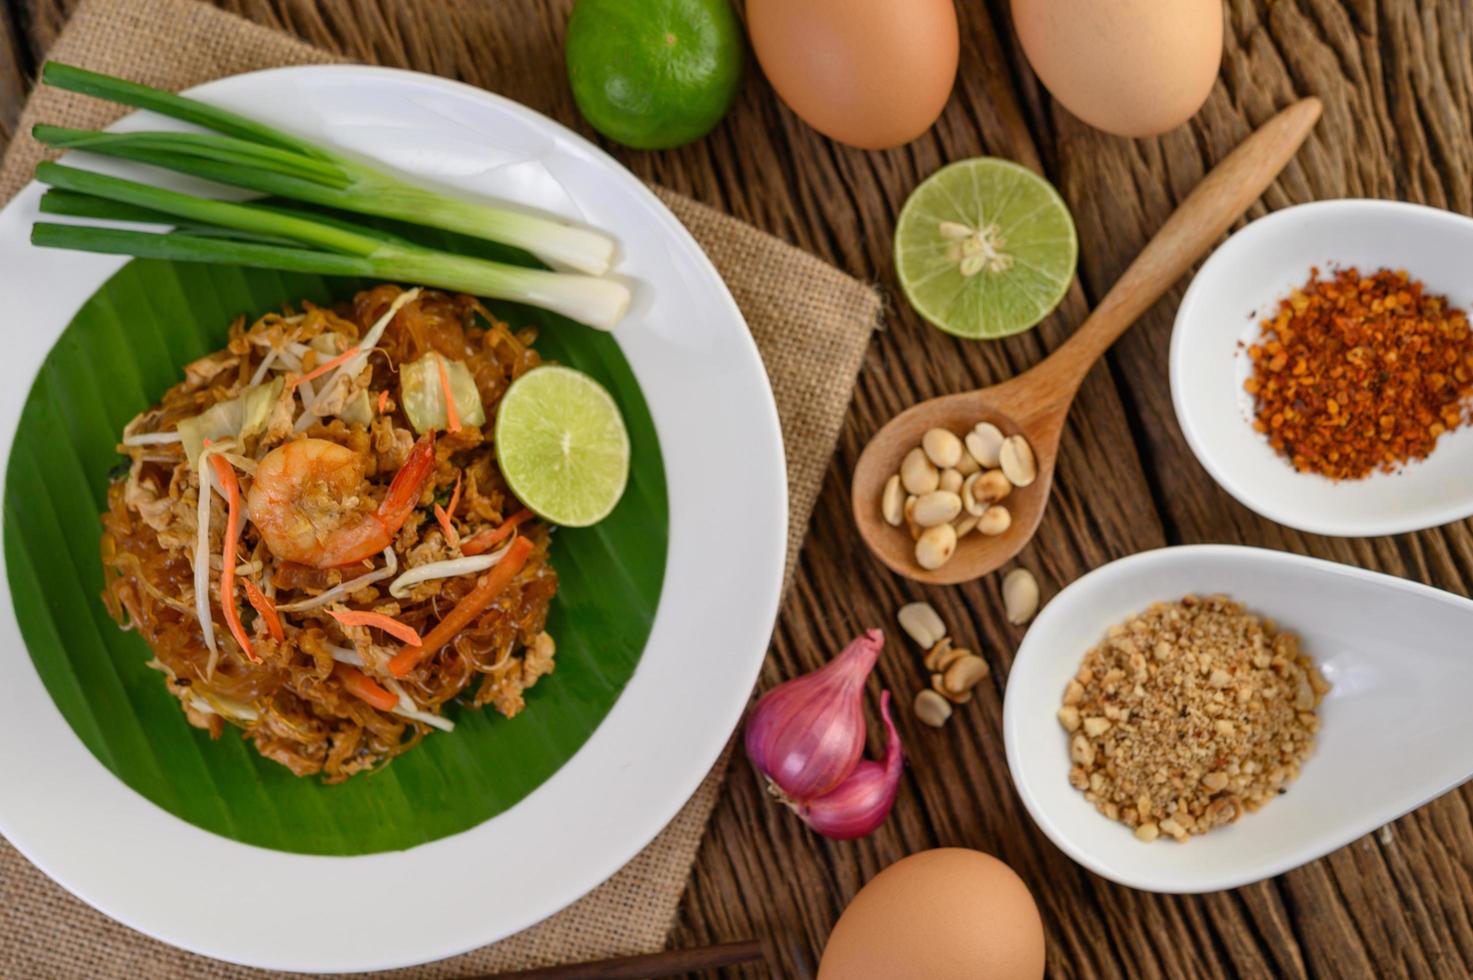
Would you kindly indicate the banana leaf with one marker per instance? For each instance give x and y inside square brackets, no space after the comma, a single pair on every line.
[128,343]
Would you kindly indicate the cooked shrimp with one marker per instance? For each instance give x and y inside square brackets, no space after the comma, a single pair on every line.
[308,502]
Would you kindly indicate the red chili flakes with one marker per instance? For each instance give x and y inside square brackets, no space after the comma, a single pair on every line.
[1356,374]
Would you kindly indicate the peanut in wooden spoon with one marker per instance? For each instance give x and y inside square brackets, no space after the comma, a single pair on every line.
[1036,402]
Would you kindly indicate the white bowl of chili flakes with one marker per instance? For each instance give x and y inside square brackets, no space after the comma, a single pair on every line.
[1332,401]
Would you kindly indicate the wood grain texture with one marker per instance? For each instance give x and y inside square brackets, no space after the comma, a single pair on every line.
[1396,78]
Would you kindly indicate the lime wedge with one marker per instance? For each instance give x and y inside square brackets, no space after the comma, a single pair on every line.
[985,248]
[562,446]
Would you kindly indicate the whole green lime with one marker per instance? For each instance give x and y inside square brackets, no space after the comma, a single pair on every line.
[653,74]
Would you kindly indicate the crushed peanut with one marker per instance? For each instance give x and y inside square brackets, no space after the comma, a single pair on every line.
[1188,714]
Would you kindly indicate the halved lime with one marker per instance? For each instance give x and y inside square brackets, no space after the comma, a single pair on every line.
[562,446]
[985,248]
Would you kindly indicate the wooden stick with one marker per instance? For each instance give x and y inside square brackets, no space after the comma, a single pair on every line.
[663,964]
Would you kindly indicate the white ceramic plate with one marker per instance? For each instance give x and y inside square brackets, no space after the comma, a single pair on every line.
[709,397]
[1240,285]
[1394,726]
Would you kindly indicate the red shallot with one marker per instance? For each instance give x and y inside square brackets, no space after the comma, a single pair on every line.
[863,800]
[807,738]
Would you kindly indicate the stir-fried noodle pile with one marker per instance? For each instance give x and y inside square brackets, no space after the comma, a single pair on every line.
[358,560]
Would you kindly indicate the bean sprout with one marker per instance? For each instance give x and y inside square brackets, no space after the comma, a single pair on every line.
[260,373]
[242,463]
[272,355]
[450,568]
[345,655]
[409,709]
[232,709]
[152,439]
[202,565]
[406,707]
[391,567]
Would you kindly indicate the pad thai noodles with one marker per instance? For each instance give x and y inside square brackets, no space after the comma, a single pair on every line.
[313,536]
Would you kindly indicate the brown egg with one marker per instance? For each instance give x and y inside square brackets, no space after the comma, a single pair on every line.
[1129,67]
[870,73]
[947,914]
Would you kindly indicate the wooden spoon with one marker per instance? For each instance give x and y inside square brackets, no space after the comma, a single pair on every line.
[1036,402]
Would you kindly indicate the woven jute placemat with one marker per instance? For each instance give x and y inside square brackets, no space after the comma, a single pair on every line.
[811,323]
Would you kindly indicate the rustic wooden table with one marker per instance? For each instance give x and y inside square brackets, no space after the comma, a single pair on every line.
[1398,123]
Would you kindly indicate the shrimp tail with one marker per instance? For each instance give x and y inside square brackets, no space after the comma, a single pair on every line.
[408,483]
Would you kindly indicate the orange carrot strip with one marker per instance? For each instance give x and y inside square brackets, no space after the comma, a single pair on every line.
[455,495]
[483,541]
[265,608]
[452,417]
[476,601]
[388,624]
[361,686]
[445,526]
[327,366]
[225,473]
[383,400]
[445,514]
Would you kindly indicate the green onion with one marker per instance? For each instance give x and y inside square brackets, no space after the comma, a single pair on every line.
[72,204]
[180,247]
[258,157]
[279,238]
[240,217]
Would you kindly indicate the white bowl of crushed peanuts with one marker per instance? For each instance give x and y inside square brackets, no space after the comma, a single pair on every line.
[1289,707]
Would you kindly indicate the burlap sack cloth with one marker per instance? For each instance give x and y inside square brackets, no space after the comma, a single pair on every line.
[811,324]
